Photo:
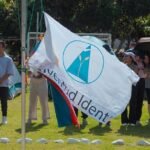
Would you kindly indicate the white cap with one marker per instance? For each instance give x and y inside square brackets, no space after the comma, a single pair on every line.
[130,54]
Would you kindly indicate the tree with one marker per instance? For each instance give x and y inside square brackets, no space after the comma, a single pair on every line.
[115,16]
[8,18]
[127,22]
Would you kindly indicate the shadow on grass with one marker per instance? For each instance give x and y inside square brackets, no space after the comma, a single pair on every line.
[99,130]
[32,128]
[1,124]
[70,130]
[141,131]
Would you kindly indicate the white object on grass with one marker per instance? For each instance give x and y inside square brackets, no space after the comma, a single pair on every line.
[59,141]
[84,140]
[4,140]
[73,140]
[143,143]
[42,140]
[27,140]
[96,141]
[118,142]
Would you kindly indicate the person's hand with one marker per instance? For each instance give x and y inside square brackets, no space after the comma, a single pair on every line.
[148,75]
[26,62]
[145,75]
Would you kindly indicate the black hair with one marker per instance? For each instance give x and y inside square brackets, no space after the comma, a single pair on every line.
[2,43]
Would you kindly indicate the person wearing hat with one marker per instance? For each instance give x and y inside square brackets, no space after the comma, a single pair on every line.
[130,118]
[139,58]
[6,70]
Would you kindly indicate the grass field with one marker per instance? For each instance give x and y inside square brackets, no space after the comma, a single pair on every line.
[51,132]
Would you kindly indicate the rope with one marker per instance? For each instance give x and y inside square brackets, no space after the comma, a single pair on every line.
[31,16]
[18,14]
[42,9]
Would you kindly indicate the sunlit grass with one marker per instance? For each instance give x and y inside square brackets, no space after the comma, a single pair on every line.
[51,132]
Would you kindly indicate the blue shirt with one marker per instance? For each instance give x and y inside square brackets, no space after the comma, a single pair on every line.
[6,67]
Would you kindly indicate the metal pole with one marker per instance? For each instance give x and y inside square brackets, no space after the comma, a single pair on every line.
[23,47]
[28,44]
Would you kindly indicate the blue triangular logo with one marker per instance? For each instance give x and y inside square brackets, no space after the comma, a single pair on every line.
[80,66]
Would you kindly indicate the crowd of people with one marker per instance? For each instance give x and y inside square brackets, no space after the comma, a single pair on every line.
[138,62]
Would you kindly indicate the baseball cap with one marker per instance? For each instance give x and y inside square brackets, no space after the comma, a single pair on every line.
[131,54]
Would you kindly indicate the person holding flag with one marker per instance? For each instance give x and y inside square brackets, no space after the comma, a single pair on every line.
[38,89]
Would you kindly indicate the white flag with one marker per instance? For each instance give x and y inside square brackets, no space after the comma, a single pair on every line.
[87,73]
[14,83]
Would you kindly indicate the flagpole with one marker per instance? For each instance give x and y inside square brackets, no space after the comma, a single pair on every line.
[23,47]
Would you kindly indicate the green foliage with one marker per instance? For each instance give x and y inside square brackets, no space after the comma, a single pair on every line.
[115,16]
[136,8]
[8,18]
[120,17]
[143,24]
[129,21]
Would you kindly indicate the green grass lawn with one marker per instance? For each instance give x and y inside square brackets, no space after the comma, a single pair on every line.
[51,132]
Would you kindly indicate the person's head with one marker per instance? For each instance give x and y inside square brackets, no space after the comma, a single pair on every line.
[139,57]
[132,44]
[128,58]
[40,37]
[146,59]
[2,47]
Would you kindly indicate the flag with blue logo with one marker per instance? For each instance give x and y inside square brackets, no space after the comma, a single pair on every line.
[86,73]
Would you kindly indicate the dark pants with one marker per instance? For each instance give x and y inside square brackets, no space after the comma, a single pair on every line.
[84,116]
[124,116]
[131,118]
[140,97]
[4,98]
[148,94]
